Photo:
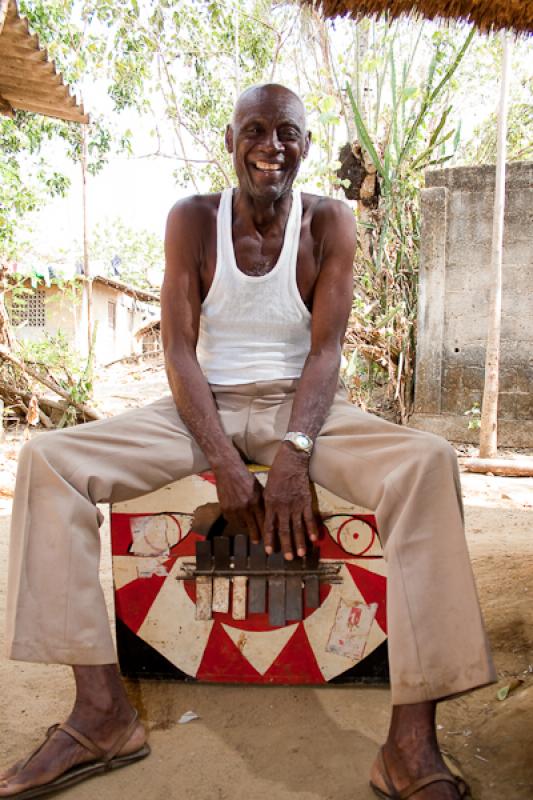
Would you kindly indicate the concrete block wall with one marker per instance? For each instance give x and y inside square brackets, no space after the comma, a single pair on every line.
[456,236]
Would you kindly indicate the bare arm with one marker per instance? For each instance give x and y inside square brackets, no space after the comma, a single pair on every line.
[239,493]
[288,496]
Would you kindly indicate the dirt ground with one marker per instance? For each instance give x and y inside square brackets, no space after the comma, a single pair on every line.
[304,743]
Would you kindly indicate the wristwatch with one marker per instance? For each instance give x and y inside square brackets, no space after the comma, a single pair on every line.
[300,441]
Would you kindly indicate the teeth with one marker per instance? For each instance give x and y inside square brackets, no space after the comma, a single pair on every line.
[267,166]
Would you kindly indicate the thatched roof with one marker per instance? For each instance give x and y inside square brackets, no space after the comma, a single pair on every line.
[28,80]
[516,15]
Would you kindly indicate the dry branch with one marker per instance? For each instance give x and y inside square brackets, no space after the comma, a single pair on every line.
[87,411]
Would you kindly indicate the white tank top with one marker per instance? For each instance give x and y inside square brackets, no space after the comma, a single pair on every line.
[254,328]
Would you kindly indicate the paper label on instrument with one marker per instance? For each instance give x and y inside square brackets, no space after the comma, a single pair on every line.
[151,566]
[350,630]
[157,534]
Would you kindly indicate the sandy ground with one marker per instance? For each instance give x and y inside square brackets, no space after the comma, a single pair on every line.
[302,743]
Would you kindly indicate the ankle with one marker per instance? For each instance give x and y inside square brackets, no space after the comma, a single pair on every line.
[100,693]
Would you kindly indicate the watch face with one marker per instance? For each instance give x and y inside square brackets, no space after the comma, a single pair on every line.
[301,441]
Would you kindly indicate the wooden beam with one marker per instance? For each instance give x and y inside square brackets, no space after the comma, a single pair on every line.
[49,86]
[18,25]
[36,73]
[21,49]
[72,113]
[24,43]
[5,107]
[28,80]
[12,54]
[42,98]
[23,56]
[4,8]
[18,38]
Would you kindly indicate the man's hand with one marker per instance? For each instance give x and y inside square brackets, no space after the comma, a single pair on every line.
[289,504]
[241,498]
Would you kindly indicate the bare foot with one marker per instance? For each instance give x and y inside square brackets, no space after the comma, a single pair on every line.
[412,753]
[102,713]
[405,769]
[59,754]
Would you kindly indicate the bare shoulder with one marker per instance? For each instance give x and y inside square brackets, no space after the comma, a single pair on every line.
[197,210]
[328,215]
[332,222]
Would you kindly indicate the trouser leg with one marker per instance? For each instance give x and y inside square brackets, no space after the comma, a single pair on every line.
[437,641]
[55,608]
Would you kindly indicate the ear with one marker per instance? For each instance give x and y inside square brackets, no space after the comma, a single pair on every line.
[228,138]
[308,137]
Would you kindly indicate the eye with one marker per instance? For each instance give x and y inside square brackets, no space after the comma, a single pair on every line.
[289,134]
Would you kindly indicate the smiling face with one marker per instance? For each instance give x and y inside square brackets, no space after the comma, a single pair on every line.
[268,140]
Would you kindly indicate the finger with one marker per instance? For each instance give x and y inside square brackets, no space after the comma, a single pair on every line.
[259,514]
[298,533]
[254,531]
[284,533]
[268,533]
[311,524]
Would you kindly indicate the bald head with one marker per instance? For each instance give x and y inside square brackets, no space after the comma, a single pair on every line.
[268,139]
[267,94]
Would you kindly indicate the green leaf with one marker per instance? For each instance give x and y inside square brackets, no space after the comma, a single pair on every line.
[366,141]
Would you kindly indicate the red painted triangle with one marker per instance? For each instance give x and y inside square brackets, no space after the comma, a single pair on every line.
[373,587]
[296,663]
[134,600]
[223,662]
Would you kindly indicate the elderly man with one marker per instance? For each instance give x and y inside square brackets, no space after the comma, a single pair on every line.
[255,302]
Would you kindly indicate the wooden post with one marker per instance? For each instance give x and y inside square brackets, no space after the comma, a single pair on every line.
[488,440]
[87,284]
[6,332]
[236,52]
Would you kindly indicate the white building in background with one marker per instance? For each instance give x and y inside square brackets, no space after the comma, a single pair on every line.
[118,311]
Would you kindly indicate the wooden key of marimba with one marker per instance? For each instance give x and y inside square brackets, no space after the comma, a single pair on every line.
[258,561]
[240,582]
[204,583]
[276,589]
[221,584]
[216,570]
[293,593]
[312,587]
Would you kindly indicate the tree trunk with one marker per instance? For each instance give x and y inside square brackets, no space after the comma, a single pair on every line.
[488,440]
[515,467]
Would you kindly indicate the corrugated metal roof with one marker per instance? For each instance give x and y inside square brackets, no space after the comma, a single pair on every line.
[28,80]
[514,15]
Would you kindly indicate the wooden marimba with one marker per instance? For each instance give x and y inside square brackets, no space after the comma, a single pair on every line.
[240,583]
[195,603]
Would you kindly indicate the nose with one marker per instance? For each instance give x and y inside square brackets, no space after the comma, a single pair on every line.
[272,142]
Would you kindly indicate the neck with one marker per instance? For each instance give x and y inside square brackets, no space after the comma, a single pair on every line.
[262,212]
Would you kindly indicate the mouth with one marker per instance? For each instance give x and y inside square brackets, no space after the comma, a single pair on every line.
[267,166]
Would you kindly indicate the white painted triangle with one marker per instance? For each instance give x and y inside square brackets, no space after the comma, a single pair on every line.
[124,570]
[171,628]
[261,648]
[319,624]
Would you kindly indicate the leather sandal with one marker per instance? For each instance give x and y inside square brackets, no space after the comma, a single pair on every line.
[392,793]
[104,760]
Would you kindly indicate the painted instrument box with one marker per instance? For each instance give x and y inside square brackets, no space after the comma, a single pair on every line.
[194,604]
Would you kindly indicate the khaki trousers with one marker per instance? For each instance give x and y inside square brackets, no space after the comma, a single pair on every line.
[56,611]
